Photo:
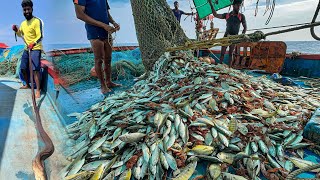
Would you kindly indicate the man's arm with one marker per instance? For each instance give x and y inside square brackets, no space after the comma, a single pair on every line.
[80,13]
[111,20]
[188,14]
[39,32]
[214,12]
[244,24]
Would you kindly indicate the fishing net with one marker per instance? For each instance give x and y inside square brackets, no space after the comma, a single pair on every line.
[157,29]
[77,68]
[10,60]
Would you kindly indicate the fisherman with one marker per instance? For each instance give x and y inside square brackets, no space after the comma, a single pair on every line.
[177,12]
[234,18]
[96,15]
[32,32]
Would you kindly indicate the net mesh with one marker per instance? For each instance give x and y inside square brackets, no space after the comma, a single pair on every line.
[10,61]
[157,29]
[77,68]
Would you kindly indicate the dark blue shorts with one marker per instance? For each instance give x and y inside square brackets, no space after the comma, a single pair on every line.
[35,56]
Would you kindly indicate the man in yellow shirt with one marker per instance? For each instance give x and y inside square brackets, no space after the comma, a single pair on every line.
[31,31]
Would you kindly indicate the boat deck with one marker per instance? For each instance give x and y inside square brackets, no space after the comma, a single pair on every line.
[19,141]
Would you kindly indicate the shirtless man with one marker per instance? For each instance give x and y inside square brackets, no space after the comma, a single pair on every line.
[96,15]
[234,19]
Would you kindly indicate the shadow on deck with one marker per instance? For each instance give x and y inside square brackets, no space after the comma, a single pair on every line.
[7,100]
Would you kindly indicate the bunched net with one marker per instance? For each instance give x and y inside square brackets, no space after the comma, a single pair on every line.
[10,61]
[157,29]
[76,68]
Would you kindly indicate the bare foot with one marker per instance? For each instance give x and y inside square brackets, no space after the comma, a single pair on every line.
[25,87]
[105,90]
[112,85]
[38,94]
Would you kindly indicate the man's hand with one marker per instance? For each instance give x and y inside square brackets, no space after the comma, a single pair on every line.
[31,46]
[15,28]
[109,29]
[117,26]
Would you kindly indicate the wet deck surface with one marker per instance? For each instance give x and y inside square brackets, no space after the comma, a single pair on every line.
[19,141]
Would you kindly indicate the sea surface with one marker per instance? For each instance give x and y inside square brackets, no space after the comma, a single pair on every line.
[308,47]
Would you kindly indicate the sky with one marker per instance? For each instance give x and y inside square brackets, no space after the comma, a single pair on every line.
[62,27]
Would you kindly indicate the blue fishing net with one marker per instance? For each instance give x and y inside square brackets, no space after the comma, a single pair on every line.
[10,60]
[75,70]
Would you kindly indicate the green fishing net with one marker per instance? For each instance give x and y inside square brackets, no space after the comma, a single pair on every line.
[76,68]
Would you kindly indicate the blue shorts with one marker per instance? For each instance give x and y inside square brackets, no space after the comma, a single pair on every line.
[35,56]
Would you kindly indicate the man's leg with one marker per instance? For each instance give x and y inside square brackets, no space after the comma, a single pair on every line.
[231,49]
[24,66]
[107,64]
[223,51]
[36,75]
[36,66]
[98,51]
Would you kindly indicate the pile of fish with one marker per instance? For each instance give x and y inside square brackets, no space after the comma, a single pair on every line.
[188,112]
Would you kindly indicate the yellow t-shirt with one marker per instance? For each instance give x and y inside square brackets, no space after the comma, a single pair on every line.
[32,32]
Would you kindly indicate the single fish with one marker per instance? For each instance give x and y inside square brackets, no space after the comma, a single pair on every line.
[187,172]
[208,139]
[94,165]
[197,136]
[209,158]
[226,157]
[254,147]
[164,161]
[132,137]
[262,146]
[202,149]
[214,171]
[126,175]
[289,166]
[223,139]
[269,105]
[97,144]
[171,161]
[98,173]
[77,166]
[214,133]
[80,176]
[228,176]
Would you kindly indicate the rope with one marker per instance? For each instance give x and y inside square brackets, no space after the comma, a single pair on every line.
[292,175]
[271,13]
[275,27]
[230,40]
[313,34]
[294,29]
[38,161]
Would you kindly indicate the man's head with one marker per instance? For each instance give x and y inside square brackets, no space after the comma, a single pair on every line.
[176,5]
[236,5]
[27,7]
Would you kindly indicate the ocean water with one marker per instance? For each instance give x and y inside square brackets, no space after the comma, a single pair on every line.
[308,47]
